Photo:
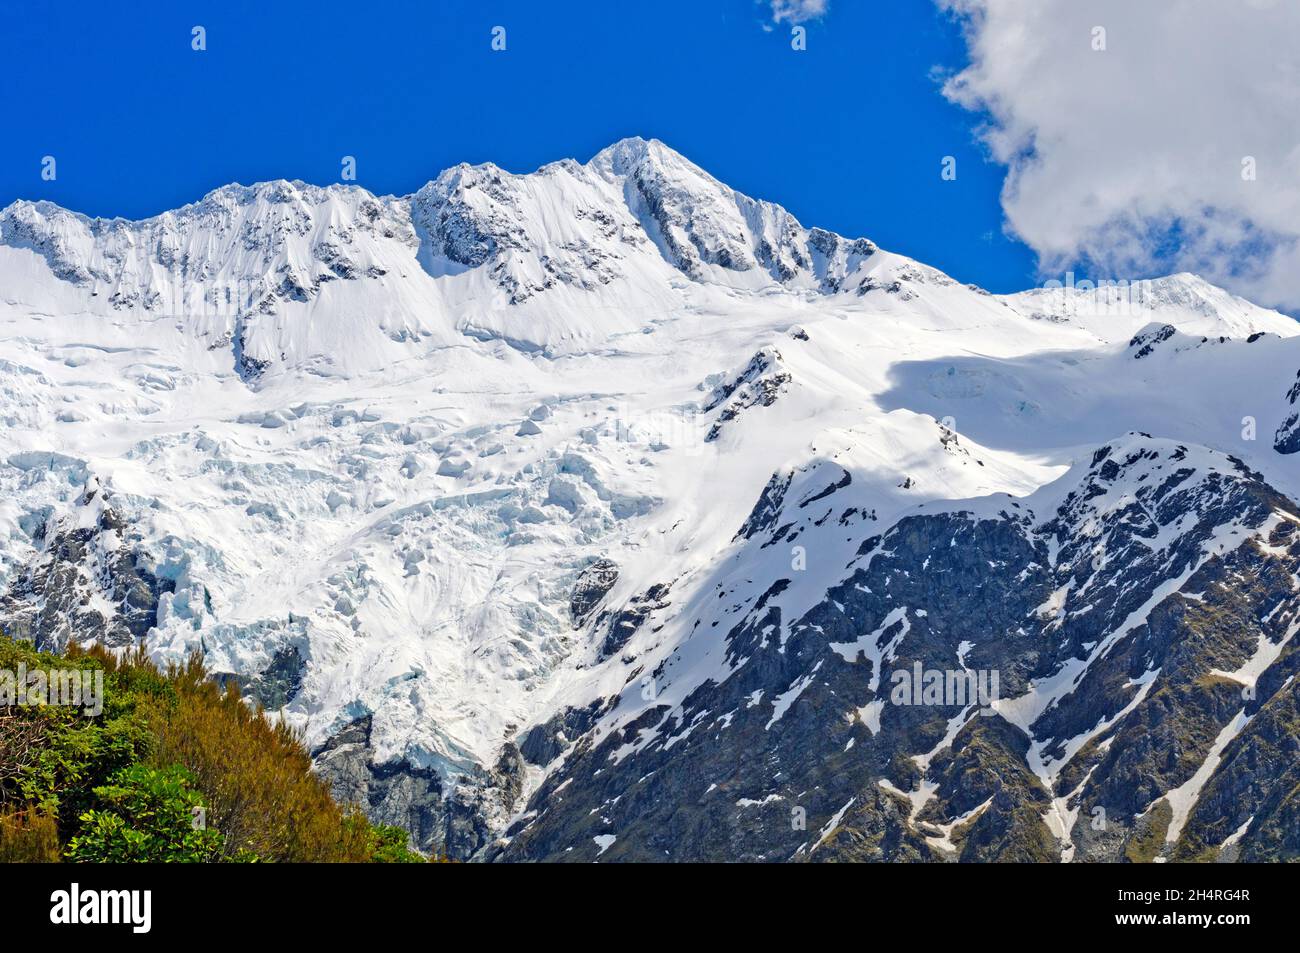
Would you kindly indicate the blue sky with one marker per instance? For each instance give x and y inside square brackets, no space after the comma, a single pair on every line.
[849,134]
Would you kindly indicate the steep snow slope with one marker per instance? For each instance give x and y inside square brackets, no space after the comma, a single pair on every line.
[456,465]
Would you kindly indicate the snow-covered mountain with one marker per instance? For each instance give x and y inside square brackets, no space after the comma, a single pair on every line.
[590,512]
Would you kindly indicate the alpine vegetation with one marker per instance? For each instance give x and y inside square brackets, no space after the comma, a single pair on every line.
[171,768]
[607,513]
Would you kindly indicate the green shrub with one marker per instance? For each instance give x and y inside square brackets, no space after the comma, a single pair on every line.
[389,847]
[148,816]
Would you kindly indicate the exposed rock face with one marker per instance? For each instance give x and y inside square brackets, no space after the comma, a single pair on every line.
[1145,343]
[88,582]
[758,385]
[277,685]
[1287,439]
[452,820]
[620,626]
[592,586]
[546,742]
[1141,635]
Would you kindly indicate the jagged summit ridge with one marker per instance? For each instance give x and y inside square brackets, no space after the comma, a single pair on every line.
[557,261]
[702,221]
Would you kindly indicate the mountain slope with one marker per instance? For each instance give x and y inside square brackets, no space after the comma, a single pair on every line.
[448,477]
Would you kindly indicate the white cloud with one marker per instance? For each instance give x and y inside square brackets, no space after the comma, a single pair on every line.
[796,11]
[1131,158]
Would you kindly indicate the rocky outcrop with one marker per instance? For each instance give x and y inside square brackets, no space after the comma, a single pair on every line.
[1140,637]
[593,584]
[543,743]
[758,385]
[450,819]
[88,581]
[1287,439]
[276,685]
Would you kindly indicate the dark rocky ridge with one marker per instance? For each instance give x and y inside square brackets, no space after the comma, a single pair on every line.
[1176,597]
[89,580]
[454,821]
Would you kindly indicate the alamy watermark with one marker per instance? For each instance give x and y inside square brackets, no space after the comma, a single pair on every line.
[133,908]
[1105,297]
[62,687]
[957,687]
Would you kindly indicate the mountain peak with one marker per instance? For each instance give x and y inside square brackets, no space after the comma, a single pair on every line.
[624,155]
